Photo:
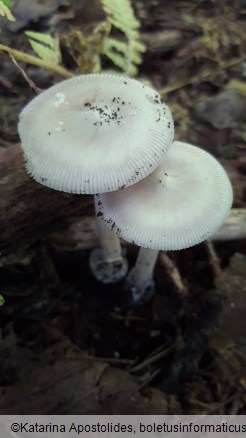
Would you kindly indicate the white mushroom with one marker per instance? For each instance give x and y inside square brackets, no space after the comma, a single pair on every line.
[184,202]
[95,133]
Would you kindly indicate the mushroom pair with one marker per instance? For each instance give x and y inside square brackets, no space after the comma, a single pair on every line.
[92,134]
[99,134]
[182,203]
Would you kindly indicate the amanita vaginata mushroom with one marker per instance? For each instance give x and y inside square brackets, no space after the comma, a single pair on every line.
[182,203]
[96,133]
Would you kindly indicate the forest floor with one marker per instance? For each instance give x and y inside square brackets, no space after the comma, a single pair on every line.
[70,345]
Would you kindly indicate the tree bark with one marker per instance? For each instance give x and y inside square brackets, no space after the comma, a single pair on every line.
[27,208]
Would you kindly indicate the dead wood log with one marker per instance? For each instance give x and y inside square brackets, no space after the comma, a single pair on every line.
[234,227]
[27,208]
[81,233]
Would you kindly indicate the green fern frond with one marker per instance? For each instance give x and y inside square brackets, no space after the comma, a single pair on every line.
[45,46]
[5,11]
[7,3]
[125,54]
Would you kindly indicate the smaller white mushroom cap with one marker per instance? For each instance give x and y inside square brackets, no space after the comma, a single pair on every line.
[95,133]
[182,203]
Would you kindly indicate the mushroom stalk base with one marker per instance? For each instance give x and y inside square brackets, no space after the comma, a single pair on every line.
[140,280]
[107,263]
[107,272]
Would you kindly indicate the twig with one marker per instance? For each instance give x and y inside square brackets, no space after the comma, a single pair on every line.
[214,260]
[29,59]
[212,406]
[110,360]
[149,379]
[29,81]
[152,359]
[158,350]
[198,78]
[173,273]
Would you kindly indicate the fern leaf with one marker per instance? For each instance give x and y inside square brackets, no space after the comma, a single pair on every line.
[114,44]
[117,59]
[124,54]
[45,46]
[5,11]
[121,13]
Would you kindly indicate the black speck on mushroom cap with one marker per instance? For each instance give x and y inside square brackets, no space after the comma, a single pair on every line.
[183,202]
[95,133]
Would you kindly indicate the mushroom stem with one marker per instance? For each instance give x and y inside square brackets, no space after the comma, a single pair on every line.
[107,263]
[110,243]
[140,279]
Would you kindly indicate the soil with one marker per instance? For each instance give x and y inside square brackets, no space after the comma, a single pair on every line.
[70,345]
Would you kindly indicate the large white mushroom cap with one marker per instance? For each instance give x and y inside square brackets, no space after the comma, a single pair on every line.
[95,133]
[182,203]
